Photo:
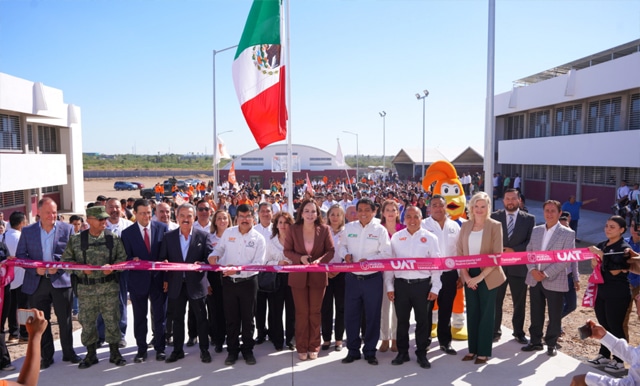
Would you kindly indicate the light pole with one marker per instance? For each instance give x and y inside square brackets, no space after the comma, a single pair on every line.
[215,134]
[357,153]
[423,97]
[216,162]
[383,114]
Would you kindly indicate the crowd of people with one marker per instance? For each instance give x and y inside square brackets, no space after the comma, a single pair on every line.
[334,222]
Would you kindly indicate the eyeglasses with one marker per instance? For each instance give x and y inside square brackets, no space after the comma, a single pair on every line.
[203,209]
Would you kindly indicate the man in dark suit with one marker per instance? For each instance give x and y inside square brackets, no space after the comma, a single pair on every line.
[186,245]
[548,282]
[516,233]
[142,242]
[46,241]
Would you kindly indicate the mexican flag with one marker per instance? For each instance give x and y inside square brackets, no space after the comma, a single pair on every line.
[258,74]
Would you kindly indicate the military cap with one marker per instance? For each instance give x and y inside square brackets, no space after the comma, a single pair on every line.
[98,212]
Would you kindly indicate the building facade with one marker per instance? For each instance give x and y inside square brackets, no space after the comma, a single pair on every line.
[40,148]
[574,129]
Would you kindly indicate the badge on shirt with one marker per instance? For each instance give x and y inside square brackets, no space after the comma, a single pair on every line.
[251,244]
[352,235]
[423,239]
[232,239]
[371,236]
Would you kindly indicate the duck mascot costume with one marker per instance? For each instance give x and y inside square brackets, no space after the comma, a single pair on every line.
[447,184]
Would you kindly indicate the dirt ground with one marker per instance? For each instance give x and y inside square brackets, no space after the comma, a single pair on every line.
[571,344]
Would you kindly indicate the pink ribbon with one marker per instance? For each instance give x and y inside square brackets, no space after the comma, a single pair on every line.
[395,264]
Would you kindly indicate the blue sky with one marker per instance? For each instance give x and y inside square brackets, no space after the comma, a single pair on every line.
[141,71]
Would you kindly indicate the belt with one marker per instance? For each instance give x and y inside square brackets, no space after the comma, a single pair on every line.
[366,277]
[237,279]
[414,281]
[87,281]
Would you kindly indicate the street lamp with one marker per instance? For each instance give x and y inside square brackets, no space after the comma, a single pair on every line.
[383,114]
[357,153]
[215,134]
[423,97]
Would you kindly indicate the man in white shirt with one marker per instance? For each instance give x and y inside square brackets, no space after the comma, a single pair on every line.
[265,214]
[622,193]
[116,224]
[240,245]
[447,232]
[415,290]
[163,214]
[363,240]
[17,220]
[345,202]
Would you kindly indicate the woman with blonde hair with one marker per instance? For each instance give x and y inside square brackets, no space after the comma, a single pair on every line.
[220,221]
[335,289]
[480,235]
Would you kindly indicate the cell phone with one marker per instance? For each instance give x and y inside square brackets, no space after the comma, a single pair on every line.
[23,315]
[585,331]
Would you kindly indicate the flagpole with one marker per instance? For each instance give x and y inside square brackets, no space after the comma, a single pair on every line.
[289,187]
[215,131]
[489,121]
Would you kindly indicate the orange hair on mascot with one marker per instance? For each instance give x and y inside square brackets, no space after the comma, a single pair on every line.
[447,184]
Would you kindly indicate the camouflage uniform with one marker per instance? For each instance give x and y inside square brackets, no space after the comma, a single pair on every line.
[96,297]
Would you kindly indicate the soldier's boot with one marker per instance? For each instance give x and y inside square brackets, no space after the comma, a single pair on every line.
[91,358]
[114,355]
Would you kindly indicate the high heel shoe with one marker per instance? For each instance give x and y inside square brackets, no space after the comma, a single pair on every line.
[384,347]
[302,356]
[313,355]
[394,346]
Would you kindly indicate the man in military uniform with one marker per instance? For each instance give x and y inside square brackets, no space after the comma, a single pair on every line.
[97,290]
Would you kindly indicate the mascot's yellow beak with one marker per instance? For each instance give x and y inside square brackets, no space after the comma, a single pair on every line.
[455,206]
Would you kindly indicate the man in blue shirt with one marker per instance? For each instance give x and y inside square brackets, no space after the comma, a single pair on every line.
[573,207]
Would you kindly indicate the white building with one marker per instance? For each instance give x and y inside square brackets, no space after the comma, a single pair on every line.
[574,129]
[40,148]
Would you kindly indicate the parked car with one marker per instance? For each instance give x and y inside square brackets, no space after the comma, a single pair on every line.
[123,185]
[149,193]
[139,185]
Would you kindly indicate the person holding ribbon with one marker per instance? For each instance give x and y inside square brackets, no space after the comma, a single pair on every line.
[215,305]
[480,235]
[334,292]
[308,242]
[613,295]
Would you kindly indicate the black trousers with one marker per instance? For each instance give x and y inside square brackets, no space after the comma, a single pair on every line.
[541,299]
[18,300]
[215,305]
[140,306]
[413,296]
[290,310]
[610,313]
[178,307]
[61,298]
[333,292]
[239,310]
[5,358]
[261,314]
[446,296]
[276,301]
[518,289]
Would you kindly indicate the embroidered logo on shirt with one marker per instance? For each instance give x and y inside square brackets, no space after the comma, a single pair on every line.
[251,244]
[402,238]
[371,236]
[352,235]
[232,239]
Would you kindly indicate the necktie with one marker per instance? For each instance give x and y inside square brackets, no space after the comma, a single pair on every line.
[147,242]
[510,225]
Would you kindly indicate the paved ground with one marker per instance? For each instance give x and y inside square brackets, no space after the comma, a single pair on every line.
[508,366]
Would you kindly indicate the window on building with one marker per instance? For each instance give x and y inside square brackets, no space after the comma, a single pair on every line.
[604,115]
[48,139]
[31,147]
[515,127]
[539,124]
[535,172]
[10,132]
[599,175]
[564,173]
[568,120]
[634,112]
[9,199]
[632,175]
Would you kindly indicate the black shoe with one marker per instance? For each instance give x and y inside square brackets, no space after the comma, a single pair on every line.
[169,341]
[291,346]
[496,338]
[448,350]
[152,343]
[325,346]
[372,360]
[205,357]
[192,342]
[260,339]
[249,358]
[532,347]
[231,359]
[218,348]
[45,363]
[139,358]
[73,359]
[88,362]
[8,367]
[350,359]
[160,356]
[551,351]
[174,357]
[400,359]
[424,362]
[100,343]
[521,339]
[278,348]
